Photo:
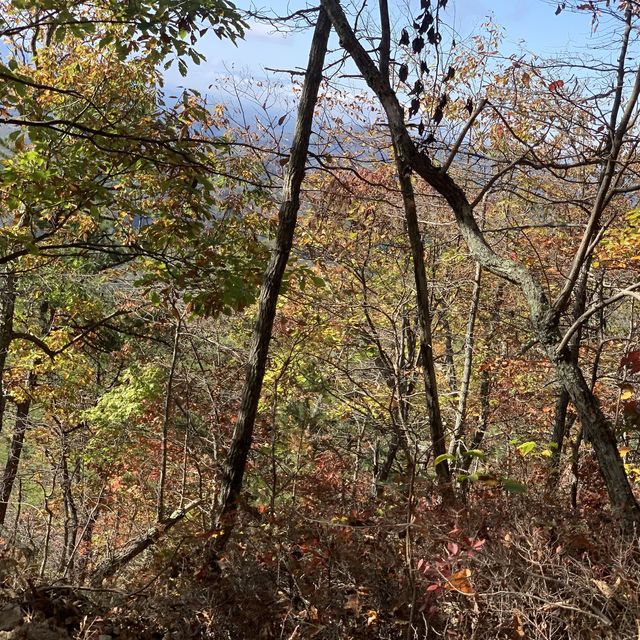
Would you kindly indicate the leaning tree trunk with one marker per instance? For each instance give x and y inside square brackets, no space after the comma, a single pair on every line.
[598,430]
[562,403]
[134,548]
[243,433]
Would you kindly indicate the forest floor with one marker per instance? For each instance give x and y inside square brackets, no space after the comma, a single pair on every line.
[502,566]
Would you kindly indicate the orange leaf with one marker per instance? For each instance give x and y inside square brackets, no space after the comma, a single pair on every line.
[459,581]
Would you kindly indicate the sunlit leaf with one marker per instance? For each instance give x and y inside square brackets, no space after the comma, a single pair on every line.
[626,392]
[441,458]
[526,448]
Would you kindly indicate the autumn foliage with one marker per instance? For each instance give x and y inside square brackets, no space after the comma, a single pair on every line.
[307,359]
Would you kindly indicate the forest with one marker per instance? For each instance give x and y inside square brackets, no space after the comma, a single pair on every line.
[350,350]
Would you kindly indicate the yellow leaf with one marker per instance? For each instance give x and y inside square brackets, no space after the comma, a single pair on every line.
[372,616]
[626,392]
[624,451]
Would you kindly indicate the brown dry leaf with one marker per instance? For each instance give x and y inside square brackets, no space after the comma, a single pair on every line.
[603,588]
[518,629]
[459,581]
[353,603]
[372,616]
[580,543]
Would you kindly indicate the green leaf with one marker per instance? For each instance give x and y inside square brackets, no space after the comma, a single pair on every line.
[526,448]
[474,453]
[513,486]
[442,458]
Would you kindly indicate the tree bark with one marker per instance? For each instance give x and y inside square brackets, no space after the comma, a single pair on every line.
[7,304]
[438,441]
[15,450]
[382,471]
[243,432]
[166,418]
[598,431]
[562,403]
[452,376]
[70,510]
[461,413]
[134,548]
[483,418]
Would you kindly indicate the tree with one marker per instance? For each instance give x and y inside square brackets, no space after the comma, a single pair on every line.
[242,436]
[544,314]
[100,173]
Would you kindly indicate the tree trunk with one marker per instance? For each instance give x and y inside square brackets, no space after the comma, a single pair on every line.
[7,304]
[452,377]
[558,434]
[424,317]
[15,450]
[134,548]
[461,413]
[382,471]
[166,418]
[562,404]
[598,431]
[243,433]
[70,511]
[483,419]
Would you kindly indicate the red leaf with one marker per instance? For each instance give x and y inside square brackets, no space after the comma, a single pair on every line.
[631,361]
[556,84]
[453,548]
[631,411]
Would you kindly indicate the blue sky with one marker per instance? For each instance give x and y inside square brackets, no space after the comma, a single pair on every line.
[528,23]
